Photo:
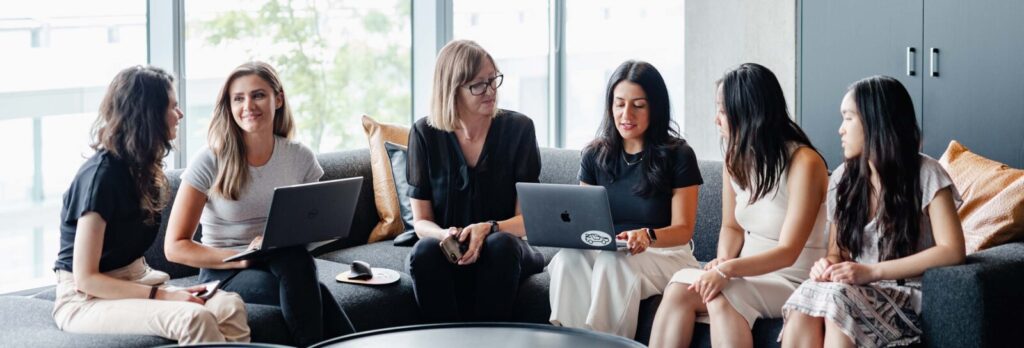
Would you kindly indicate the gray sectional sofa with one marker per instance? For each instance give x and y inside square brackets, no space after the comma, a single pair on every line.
[978,304]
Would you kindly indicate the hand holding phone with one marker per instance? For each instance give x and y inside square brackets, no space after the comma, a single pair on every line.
[207,290]
[452,248]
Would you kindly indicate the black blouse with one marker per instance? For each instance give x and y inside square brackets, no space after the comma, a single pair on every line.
[630,211]
[105,186]
[461,195]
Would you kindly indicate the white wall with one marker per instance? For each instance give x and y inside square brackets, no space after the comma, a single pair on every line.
[721,34]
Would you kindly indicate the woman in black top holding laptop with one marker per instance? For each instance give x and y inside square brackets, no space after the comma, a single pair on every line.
[652,180]
[464,161]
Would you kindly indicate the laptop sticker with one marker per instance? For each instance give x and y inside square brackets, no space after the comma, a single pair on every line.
[596,238]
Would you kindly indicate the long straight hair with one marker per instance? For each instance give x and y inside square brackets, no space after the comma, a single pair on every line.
[892,144]
[225,137]
[660,138]
[760,129]
[132,126]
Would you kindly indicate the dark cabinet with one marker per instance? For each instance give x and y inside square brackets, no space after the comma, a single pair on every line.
[961,61]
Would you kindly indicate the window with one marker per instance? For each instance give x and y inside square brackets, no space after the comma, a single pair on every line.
[49,103]
[601,35]
[598,36]
[337,60]
[516,35]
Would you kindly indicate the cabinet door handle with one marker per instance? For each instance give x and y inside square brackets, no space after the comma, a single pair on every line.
[910,61]
[935,62]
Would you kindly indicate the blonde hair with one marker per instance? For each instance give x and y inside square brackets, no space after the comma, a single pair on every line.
[457,63]
[225,136]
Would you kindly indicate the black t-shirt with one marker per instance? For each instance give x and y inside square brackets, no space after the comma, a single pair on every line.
[461,195]
[630,211]
[105,186]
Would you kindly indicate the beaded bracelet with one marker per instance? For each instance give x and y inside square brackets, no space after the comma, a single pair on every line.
[720,272]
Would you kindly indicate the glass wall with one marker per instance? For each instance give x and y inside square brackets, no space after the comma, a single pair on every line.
[338,60]
[59,56]
[515,33]
[600,35]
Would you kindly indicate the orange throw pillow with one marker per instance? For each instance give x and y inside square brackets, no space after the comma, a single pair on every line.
[993,193]
[384,192]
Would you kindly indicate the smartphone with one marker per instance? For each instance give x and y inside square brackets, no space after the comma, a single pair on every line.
[210,289]
[453,250]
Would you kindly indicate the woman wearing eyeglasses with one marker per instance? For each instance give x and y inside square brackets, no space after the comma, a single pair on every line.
[464,161]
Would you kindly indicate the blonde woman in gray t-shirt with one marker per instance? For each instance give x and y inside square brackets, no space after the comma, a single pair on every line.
[228,189]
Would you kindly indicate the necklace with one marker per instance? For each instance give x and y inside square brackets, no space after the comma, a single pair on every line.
[628,163]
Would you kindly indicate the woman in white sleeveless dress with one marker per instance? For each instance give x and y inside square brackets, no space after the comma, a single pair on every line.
[773,219]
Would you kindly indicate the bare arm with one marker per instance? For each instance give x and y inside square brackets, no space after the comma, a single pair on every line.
[423,220]
[730,237]
[181,226]
[834,255]
[948,249]
[808,185]
[86,267]
[684,214]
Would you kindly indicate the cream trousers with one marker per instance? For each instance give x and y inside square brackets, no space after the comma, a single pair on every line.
[221,319]
[601,290]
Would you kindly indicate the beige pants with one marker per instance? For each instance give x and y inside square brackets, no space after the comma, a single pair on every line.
[223,318]
[601,290]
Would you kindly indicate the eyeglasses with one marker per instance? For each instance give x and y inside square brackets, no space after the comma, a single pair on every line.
[481,87]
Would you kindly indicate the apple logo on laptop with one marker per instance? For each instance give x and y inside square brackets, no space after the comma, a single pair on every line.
[565,216]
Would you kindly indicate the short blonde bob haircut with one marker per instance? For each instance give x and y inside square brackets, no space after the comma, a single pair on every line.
[457,64]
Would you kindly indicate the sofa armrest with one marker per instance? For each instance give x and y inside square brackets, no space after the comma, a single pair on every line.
[977,304]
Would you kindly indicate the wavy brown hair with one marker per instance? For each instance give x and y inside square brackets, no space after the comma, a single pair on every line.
[132,126]
[225,137]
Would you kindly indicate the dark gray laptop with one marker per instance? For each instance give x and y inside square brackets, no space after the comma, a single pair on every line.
[567,216]
[307,213]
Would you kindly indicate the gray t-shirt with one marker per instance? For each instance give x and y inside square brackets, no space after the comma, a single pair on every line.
[228,223]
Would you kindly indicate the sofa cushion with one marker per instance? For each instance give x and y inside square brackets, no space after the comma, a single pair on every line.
[398,156]
[709,211]
[993,195]
[385,195]
[347,164]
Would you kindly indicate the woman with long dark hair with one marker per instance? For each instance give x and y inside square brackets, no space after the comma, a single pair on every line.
[652,179]
[893,216]
[773,221]
[110,217]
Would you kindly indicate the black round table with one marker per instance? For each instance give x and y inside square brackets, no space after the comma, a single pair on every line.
[479,335]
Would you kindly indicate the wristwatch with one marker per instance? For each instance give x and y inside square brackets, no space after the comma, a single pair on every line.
[650,234]
[494,226]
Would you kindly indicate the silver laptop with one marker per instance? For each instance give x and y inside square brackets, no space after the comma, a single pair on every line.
[568,216]
[307,213]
